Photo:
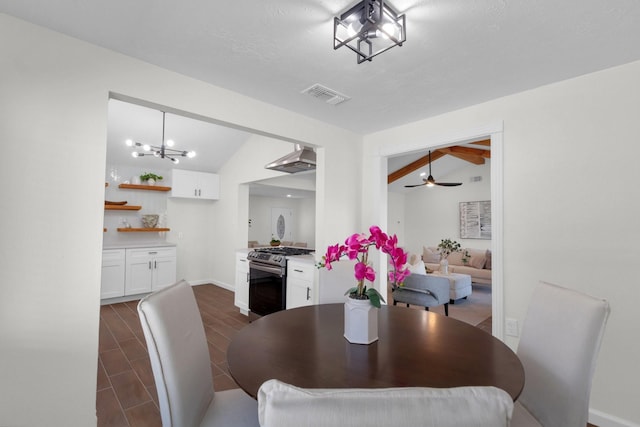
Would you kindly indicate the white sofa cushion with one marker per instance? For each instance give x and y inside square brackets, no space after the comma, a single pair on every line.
[283,405]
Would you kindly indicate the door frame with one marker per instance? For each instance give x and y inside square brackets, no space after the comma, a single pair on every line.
[494,131]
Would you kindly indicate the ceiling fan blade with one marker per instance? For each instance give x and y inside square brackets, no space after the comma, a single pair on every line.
[417,185]
[448,184]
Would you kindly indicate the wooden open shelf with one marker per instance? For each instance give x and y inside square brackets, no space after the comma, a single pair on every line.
[122,208]
[144,187]
[143,230]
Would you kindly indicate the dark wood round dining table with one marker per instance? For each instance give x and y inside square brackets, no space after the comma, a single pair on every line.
[306,347]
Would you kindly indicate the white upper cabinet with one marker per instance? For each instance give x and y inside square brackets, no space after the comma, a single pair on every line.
[195,185]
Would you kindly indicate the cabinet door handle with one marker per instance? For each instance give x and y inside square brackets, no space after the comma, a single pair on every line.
[152,253]
[155,264]
[195,191]
[247,277]
[149,265]
[297,271]
[308,291]
[199,192]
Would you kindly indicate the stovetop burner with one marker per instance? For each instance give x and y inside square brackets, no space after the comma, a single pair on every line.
[276,255]
[285,250]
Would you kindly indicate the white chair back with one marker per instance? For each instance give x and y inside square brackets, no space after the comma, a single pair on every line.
[559,345]
[283,405]
[179,354]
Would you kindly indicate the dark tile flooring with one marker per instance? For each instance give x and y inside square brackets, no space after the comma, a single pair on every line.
[126,394]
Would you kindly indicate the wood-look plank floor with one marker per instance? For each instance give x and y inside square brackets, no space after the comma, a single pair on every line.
[126,394]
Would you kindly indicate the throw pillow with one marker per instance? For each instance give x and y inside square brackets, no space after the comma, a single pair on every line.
[455,258]
[418,268]
[478,258]
[429,256]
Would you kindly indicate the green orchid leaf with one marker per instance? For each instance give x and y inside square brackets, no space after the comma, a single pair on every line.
[351,291]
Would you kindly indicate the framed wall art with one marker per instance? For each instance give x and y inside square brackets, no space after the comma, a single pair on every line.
[475,220]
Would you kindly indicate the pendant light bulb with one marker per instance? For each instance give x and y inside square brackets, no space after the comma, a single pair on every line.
[191,154]
[134,154]
[129,143]
[170,143]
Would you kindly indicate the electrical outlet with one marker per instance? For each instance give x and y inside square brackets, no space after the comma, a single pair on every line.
[512,327]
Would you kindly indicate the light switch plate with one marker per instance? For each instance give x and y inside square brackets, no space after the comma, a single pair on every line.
[511,327]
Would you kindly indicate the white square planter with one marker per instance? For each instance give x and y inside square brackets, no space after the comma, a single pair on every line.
[360,321]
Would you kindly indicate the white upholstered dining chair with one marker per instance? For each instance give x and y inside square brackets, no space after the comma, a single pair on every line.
[181,364]
[283,405]
[558,348]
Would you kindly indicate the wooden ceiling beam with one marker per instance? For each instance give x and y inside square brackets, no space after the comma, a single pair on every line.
[413,166]
[469,154]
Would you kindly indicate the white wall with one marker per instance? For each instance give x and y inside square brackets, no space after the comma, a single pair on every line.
[432,214]
[304,212]
[570,206]
[54,106]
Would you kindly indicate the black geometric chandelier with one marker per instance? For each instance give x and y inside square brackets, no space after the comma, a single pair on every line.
[369,28]
[163,151]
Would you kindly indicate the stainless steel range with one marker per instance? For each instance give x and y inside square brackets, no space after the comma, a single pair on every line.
[268,279]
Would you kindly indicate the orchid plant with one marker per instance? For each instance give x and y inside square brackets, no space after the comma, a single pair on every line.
[356,247]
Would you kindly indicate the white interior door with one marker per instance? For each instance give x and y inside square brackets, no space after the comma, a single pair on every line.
[282,224]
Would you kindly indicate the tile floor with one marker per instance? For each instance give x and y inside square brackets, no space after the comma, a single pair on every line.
[126,395]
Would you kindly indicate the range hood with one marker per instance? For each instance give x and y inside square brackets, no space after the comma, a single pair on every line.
[302,159]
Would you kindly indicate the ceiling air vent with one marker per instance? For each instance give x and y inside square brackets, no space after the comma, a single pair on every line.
[325,94]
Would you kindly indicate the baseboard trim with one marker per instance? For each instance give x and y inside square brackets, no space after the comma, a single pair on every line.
[217,283]
[602,419]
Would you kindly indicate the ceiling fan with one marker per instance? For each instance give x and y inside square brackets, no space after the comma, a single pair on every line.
[430,182]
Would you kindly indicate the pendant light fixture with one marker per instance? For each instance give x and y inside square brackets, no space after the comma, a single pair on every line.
[369,28]
[164,151]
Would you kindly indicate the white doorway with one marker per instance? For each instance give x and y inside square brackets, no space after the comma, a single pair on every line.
[493,132]
[282,224]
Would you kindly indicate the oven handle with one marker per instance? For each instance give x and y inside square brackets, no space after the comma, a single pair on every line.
[266,269]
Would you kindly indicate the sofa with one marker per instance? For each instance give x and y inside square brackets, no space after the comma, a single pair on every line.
[477,265]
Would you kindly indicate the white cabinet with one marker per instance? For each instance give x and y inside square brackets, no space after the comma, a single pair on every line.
[149,269]
[300,283]
[195,185]
[113,268]
[241,299]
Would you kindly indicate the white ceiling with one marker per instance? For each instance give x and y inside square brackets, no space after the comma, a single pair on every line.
[458,52]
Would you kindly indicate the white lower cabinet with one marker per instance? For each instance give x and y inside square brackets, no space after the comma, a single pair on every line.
[149,269]
[113,268]
[241,299]
[300,284]
[137,271]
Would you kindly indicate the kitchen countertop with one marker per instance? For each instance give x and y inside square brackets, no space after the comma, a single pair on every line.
[138,245]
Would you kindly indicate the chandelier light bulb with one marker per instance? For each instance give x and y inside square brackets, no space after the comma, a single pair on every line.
[156,154]
[134,154]
[170,143]
[175,161]
[191,154]
[129,143]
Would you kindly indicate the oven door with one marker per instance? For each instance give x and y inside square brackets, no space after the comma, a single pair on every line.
[267,289]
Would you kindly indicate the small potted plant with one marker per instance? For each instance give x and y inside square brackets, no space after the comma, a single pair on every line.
[274,242]
[150,178]
[446,247]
